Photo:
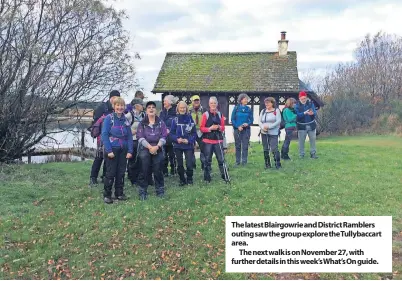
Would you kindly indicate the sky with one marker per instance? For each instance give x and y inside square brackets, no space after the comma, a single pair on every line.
[322,32]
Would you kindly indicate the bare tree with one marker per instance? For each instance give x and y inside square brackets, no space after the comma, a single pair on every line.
[357,93]
[53,55]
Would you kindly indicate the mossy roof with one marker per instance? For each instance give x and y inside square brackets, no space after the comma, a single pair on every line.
[228,72]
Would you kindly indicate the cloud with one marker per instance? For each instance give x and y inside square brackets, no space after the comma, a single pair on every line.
[322,32]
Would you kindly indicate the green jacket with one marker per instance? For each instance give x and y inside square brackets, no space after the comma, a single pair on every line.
[194,114]
[289,115]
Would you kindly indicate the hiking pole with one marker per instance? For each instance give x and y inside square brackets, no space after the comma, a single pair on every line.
[225,167]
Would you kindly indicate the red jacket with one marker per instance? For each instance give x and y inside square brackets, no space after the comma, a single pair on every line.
[205,129]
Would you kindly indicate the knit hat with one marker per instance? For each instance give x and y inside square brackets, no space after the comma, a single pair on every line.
[302,94]
[114,93]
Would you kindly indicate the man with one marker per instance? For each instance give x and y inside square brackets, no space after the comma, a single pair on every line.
[306,124]
[196,111]
[139,95]
[104,109]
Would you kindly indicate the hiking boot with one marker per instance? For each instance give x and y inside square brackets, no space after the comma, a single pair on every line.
[92,182]
[108,200]
[285,156]
[102,179]
[267,160]
[122,197]
[277,158]
[189,182]
[312,155]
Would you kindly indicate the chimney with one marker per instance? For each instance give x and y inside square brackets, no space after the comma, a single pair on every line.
[283,44]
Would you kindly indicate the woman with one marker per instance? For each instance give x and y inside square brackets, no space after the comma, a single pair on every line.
[151,135]
[242,118]
[184,134]
[118,142]
[269,121]
[167,114]
[134,117]
[212,125]
[289,115]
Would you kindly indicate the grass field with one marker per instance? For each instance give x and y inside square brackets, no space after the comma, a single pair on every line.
[53,226]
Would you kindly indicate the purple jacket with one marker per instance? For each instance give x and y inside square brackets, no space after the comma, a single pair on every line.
[183,127]
[153,135]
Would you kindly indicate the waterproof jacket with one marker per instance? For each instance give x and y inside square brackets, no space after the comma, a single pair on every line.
[135,118]
[167,115]
[242,114]
[289,115]
[183,126]
[272,119]
[116,132]
[212,118]
[194,112]
[305,119]
[151,134]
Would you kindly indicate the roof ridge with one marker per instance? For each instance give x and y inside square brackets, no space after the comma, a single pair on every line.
[225,53]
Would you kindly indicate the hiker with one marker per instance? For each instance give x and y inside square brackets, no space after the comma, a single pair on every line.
[196,111]
[102,110]
[118,141]
[289,115]
[212,125]
[151,135]
[134,117]
[167,114]
[183,134]
[306,124]
[138,95]
[269,121]
[242,118]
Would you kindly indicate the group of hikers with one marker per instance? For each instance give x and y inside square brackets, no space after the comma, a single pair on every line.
[136,140]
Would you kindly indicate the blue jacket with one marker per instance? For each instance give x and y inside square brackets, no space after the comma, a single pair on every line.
[305,119]
[116,132]
[241,114]
[183,126]
[168,115]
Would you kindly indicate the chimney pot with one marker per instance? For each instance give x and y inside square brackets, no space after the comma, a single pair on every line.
[283,44]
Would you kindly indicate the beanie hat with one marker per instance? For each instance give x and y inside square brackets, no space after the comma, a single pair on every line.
[302,94]
[114,93]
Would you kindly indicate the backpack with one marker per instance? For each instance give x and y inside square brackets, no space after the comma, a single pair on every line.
[282,125]
[96,128]
[133,117]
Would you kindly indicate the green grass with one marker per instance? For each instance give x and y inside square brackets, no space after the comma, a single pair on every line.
[53,226]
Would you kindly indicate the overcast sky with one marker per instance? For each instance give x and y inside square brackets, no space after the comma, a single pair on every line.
[322,32]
